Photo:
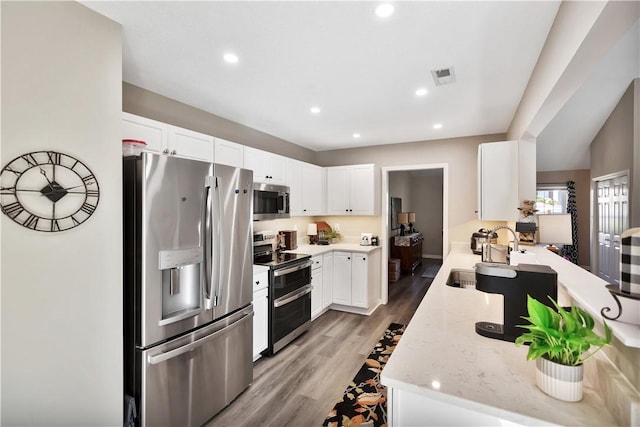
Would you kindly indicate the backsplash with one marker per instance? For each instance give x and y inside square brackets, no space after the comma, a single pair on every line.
[350,227]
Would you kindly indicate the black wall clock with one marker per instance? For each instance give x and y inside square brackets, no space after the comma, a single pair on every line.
[48,191]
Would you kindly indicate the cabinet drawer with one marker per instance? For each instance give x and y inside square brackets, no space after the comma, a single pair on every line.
[316,262]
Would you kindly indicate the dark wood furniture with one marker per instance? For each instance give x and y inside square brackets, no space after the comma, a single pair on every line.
[408,249]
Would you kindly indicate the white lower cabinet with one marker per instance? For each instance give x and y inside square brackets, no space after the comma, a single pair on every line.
[327,280]
[260,313]
[342,278]
[355,278]
[317,284]
[410,409]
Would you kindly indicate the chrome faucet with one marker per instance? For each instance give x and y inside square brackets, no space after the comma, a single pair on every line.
[515,237]
[487,248]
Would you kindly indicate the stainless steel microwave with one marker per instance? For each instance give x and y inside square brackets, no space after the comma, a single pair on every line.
[270,201]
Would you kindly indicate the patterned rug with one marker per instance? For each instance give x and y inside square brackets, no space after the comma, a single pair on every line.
[431,271]
[364,402]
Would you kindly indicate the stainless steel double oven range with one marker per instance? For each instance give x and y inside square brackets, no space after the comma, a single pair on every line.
[289,292]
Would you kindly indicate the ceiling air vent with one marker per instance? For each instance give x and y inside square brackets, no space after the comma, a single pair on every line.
[443,76]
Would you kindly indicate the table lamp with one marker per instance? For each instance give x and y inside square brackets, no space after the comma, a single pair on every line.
[312,232]
[555,229]
[403,218]
[412,219]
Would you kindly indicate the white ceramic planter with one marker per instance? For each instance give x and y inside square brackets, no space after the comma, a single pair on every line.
[560,381]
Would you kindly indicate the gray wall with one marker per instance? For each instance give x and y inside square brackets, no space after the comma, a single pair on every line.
[62,292]
[426,202]
[612,150]
[148,104]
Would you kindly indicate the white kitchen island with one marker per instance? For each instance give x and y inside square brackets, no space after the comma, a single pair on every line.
[444,373]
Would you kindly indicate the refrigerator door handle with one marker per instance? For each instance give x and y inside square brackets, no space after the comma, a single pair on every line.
[207,239]
[154,360]
[219,220]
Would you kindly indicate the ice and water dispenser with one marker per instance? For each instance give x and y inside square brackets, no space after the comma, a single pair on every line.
[180,283]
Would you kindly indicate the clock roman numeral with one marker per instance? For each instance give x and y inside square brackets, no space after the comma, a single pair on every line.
[9,169]
[93,193]
[88,208]
[54,158]
[31,161]
[8,191]
[31,222]
[55,225]
[13,209]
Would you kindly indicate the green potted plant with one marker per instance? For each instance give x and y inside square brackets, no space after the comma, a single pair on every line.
[558,341]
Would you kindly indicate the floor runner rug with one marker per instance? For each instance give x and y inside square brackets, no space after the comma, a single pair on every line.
[431,271]
[364,402]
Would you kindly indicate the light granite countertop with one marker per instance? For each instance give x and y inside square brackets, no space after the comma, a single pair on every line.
[321,249]
[440,356]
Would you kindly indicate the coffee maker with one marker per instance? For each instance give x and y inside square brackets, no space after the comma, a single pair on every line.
[289,240]
[515,282]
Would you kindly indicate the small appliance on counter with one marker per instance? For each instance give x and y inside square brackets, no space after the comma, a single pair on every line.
[288,240]
[365,239]
[515,282]
[482,236]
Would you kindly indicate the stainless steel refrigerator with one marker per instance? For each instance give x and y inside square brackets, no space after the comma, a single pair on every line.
[187,287]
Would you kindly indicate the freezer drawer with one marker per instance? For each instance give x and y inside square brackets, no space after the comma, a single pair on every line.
[187,381]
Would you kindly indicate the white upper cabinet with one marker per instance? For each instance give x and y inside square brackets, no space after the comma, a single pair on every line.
[307,185]
[189,144]
[506,176]
[162,138]
[353,190]
[267,167]
[152,132]
[228,153]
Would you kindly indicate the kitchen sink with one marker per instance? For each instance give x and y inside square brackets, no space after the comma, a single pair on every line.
[462,278]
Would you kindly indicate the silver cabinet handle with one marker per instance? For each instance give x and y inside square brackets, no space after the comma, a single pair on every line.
[165,151]
[154,360]
[292,296]
[284,271]
[174,152]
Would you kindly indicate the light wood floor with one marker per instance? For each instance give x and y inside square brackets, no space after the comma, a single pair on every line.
[299,385]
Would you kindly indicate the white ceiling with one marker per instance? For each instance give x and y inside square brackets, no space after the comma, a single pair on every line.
[361,70]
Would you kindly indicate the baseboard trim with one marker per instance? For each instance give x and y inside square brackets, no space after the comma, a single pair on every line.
[431,256]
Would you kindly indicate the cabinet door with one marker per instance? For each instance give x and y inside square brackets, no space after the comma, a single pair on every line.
[359,280]
[152,132]
[327,279]
[296,187]
[255,160]
[342,278]
[276,169]
[190,144]
[361,190]
[338,190]
[498,181]
[228,153]
[316,292]
[313,189]
[260,322]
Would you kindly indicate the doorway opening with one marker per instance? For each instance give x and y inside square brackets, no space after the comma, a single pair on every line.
[421,170]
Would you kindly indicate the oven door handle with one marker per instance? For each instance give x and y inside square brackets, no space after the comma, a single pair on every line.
[283,271]
[292,296]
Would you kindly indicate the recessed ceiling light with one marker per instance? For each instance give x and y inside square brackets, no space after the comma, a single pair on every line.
[315,110]
[437,126]
[231,58]
[421,92]
[356,135]
[384,10]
